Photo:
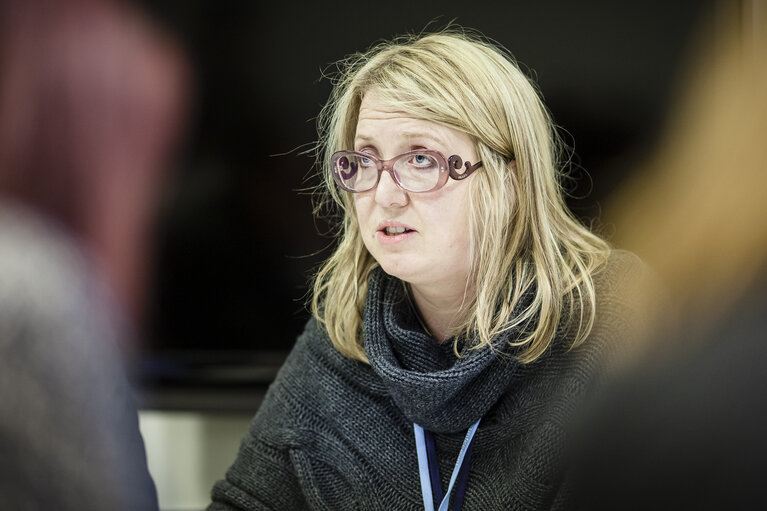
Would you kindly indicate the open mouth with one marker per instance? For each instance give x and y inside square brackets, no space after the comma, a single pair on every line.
[394,231]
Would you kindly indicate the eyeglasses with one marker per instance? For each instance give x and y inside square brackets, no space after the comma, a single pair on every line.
[415,171]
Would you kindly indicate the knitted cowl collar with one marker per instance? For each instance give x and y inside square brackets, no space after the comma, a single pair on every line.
[430,385]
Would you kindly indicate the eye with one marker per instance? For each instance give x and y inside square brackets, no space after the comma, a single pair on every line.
[421,161]
[366,161]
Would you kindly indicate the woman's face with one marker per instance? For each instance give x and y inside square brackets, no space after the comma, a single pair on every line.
[433,251]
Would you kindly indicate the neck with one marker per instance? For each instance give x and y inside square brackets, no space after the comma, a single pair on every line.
[439,308]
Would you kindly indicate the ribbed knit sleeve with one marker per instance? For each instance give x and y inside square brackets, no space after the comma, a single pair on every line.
[275,468]
[261,478]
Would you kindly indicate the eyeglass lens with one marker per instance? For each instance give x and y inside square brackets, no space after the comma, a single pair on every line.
[415,171]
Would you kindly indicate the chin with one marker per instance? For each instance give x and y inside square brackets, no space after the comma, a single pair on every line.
[396,269]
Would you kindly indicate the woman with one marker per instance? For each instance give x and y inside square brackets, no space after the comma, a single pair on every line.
[464,312]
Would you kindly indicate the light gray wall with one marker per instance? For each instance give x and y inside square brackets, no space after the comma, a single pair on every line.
[188,452]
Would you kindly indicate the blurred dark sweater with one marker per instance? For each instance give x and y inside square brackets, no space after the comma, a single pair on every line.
[69,436]
[686,431]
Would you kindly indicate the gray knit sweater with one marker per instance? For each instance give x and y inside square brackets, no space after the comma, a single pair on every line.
[337,434]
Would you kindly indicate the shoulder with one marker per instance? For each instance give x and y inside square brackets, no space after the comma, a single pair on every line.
[315,385]
[621,269]
[625,283]
[51,297]
[314,356]
[59,357]
[37,258]
[568,373]
[630,299]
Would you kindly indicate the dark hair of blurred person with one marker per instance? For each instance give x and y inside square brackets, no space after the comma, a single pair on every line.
[90,101]
[685,428]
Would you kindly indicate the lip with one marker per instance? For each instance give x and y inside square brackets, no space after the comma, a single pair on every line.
[392,223]
[397,238]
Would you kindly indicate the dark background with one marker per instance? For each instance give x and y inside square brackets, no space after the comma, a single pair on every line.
[236,239]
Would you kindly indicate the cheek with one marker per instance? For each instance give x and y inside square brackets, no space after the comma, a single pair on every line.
[459,240]
[363,207]
[359,208]
[455,218]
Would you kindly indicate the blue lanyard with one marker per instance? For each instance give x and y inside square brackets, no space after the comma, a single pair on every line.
[429,471]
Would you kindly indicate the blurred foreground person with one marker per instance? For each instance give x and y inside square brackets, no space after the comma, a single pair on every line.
[89,102]
[686,429]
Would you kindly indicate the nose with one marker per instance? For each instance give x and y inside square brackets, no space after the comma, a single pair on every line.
[388,192]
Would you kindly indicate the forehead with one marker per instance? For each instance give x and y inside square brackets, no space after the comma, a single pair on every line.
[379,122]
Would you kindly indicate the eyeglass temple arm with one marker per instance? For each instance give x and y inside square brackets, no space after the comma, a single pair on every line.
[454,163]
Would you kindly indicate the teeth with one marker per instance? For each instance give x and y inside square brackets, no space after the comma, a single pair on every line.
[391,231]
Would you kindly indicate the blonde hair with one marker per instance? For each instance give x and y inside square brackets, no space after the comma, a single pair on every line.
[524,241]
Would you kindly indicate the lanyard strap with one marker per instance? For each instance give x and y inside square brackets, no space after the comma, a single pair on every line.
[431,457]
[427,473]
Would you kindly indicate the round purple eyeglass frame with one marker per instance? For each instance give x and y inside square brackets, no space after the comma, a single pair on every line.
[448,167]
